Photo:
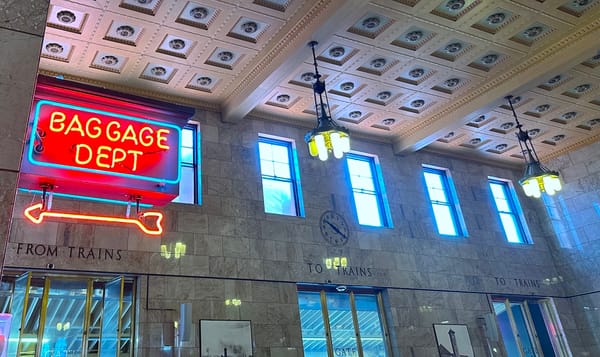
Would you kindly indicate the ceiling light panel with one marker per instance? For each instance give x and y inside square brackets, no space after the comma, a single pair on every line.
[66,19]
[56,49]
[125,32]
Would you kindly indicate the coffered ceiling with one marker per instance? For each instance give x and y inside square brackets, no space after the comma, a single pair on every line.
[415,73]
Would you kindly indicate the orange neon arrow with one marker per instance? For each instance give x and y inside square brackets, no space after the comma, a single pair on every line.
[36,215]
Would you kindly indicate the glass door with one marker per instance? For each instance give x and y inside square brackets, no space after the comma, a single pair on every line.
[530,328]
[338,324]
[64,324]
[64,316]
[111,318]
[18,308]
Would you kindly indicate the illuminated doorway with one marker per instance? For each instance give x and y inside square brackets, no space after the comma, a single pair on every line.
[343,324]
[530,328]
[62,316]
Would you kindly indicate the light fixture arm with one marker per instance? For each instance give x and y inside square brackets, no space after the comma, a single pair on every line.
[537,178]
[327,137]
[525,142]
[321,104]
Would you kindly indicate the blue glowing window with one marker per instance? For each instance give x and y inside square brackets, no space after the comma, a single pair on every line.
[509,211]
[189,186]
[444,202]
[280,180]
[368,191]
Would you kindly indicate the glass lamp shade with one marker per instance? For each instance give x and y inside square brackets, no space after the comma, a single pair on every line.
[321,143]
[544,181]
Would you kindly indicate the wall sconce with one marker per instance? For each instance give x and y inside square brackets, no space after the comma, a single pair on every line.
[328,136]
[335,262]
[537,178]
[176,251]
[233,302]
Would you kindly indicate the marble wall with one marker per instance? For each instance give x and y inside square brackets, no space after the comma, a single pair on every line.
[22,26]
[575,215]
[235,250]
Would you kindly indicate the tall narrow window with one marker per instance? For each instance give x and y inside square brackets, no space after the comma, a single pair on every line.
[280,179]
[368,191]
[189,185]
[342,324]
[509,211]
[442,196]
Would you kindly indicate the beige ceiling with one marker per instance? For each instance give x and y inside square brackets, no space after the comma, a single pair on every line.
[415,73]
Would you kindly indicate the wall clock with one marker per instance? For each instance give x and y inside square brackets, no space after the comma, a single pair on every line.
[334,228]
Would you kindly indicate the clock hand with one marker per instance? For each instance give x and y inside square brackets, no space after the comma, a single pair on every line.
[335,229]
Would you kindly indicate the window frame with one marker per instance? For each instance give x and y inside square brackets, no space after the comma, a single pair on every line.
[515,210]
[452,200]
[290,145]
[325,291]
[378,184]
[194,127]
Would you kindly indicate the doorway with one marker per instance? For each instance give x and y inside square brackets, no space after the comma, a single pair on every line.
[530,328]
[66,316]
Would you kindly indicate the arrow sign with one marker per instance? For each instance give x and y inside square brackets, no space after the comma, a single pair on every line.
[36,215]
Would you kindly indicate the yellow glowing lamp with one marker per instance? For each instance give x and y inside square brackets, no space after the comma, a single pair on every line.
[328,137]
[537,178]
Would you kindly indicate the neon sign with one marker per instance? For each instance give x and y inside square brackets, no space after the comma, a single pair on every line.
[148,222]
[66,136]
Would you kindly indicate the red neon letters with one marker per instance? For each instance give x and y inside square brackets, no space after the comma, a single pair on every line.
[96,141]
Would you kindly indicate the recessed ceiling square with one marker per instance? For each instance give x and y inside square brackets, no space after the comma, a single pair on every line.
[495,20]
[56,50]
[144,6]
[371,25]
[197,15]
[337,54]
[122,32]
[454,9]
[452,50]
[66,19]
[158,72]
[247,29]
[223,58]
[278,5]
[202,82]
[108,62]
[414,38]
[176,46]
[532,33]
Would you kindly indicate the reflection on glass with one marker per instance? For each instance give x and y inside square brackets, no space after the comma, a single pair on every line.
[18,304]
[340,313]
[341,324]
[522,329]
[507,210]
[313,328]
[371,332]
[278,180]
[63,327]
[437,184]
[366,195]
[111,318]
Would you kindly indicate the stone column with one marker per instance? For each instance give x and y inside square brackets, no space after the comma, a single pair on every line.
[22,24]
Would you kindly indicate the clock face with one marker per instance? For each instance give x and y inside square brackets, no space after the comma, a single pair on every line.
[334,228]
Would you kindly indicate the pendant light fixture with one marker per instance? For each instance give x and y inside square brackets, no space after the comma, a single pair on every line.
[537,178]
[328,136]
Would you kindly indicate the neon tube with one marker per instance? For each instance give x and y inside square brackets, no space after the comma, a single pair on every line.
[36,215]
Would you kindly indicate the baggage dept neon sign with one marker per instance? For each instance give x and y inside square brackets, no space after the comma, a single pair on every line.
[88,140]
